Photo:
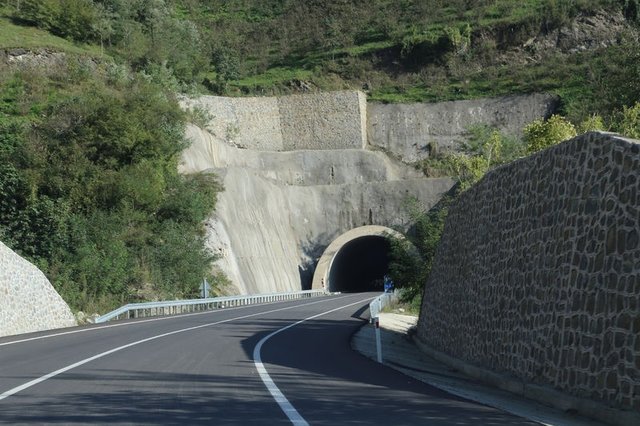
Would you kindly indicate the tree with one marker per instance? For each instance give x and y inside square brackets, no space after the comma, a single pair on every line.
[411,259]
[631,10]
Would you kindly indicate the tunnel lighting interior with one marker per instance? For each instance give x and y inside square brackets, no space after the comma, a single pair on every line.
[360,265]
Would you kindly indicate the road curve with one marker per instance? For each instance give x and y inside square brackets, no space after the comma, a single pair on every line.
[211,368]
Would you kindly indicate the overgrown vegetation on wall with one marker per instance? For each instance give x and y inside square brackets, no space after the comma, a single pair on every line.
[89,188]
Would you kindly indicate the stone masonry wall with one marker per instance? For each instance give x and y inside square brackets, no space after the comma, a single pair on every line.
[321,121]
[333,120]
[538,272]
[29,301]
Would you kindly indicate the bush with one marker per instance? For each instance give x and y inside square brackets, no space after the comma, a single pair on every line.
[628,121]
[542,134]
[485,149]
[593,123]
[411,259]
[89,188]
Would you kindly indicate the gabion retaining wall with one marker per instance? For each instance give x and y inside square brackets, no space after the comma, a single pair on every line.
[29,301]
[538,272]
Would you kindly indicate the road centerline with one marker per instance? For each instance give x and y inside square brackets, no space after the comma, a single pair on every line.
[62,370]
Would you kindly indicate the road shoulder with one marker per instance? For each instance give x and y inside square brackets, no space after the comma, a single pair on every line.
[400,353]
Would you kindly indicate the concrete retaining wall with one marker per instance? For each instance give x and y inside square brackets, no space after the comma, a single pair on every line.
[413,131]
[538,272]
[297,173]
[29,301]
[280,210]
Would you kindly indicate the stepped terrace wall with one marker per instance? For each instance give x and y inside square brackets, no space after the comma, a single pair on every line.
[29,301]
[538,272]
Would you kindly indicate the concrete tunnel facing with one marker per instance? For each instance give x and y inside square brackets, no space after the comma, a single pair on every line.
[356,261]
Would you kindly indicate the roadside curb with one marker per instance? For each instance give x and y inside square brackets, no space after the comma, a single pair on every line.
[539,393]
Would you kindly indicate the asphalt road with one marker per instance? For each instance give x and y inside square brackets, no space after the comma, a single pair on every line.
[205,369]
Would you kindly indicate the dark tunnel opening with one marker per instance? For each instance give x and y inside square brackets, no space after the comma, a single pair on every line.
[360,265]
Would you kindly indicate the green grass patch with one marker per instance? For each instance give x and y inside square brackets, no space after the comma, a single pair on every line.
[272,77]
[16,36]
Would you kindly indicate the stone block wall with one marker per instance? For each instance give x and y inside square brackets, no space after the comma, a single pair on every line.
[538,272]
[333,120]
[29,301]
[252,123]
[321,121]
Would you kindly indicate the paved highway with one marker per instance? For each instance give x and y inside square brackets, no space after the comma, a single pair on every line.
[272,364]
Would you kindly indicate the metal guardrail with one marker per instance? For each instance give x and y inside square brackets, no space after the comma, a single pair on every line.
[379,303]
[175,307]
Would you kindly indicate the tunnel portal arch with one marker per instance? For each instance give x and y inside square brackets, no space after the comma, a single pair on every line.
[334,262]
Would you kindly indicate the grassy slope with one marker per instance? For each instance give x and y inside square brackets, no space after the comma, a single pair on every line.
[377,64]
[16,36]
[374,60]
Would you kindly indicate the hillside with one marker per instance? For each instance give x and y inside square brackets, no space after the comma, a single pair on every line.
[586,51]
[91,129]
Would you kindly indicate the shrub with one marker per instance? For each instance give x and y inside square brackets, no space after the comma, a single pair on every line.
[541,134]
[89,188]
[411,259]
[628,121]
[591,124]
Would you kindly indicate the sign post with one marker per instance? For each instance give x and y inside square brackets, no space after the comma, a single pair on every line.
[204,289]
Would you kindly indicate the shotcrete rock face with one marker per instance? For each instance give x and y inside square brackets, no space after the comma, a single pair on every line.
[360,265]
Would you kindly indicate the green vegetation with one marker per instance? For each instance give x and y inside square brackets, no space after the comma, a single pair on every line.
[411,259]
[88,148]
[398,51]
[542,134]
[486,148]
[89,189]
[12,36]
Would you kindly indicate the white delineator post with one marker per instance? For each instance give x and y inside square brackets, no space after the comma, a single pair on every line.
[376,322]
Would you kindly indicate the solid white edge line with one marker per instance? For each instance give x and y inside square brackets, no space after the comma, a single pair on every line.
[41,379]
[289,410]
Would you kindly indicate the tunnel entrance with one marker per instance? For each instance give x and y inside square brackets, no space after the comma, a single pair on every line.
[355,261]
[360,265]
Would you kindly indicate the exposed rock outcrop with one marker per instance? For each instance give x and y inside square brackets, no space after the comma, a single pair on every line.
[414,131]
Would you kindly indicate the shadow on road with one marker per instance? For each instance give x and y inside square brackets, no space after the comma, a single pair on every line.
[328,382]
